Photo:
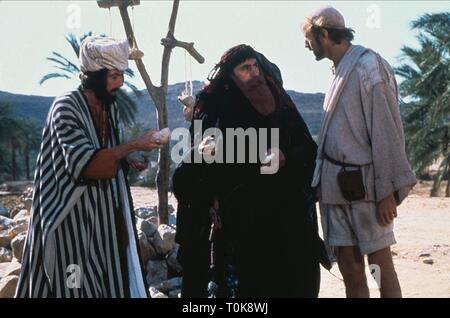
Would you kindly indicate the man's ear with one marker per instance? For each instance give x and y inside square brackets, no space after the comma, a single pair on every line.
[323,33]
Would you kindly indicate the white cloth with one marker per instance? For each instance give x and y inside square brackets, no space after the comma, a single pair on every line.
[97,53]
[343,70]
[362,126]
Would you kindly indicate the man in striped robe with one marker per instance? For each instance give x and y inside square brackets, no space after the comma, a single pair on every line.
[81,240]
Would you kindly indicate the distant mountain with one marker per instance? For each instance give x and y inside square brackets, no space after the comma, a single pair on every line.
[28,106]
[309,105]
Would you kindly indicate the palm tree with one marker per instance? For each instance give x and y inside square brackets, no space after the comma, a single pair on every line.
[69,70]
[425,94]
[11,138]
[31,139]
[6,130]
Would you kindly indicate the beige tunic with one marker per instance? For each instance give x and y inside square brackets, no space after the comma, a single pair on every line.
[366,129]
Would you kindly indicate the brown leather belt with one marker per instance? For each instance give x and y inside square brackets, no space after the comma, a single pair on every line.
[338,163]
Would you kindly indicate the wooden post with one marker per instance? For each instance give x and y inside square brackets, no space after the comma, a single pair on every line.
[107,4]
[158,94]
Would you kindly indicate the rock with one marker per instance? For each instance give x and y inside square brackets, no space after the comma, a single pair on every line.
[3,211]
[163,287]
[153,253]
[28,203]
[12,268]
[16,186]
[147,227]
[162,247]
[175,282]
[20,227]
[170,284]
[428,261]
[28,193]
[148,252]
[5,223]
[156,272]
[17,245]
[5,238]
[424,255]
[8,286]
[154,293]
[172,260]
[394,253]
[154,220]
[5,255]
[167,234]
[173,220]
[176,293]
[145,213]
[22,214]
[16,210]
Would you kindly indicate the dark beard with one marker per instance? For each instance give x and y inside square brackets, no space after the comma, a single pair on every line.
[96,81]
[258,93]
[104,96]
[253,84]
[319,53]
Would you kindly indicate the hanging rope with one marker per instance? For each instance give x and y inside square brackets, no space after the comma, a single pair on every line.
[110,23]
[132,25]
[135,53]
[132,17]
[191,87]
[186,97]
[188,89]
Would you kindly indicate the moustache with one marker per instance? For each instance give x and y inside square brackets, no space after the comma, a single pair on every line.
[254,83]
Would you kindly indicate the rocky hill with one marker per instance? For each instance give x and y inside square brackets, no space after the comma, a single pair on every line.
[31,106]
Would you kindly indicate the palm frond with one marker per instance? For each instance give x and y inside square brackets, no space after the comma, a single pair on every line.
[129,72]
[127,108]
[73,41]
[67,61]
[133,88]
[46,77]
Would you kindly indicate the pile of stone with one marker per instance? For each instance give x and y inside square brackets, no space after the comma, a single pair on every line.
[157,246]
[13,233]
[159,253]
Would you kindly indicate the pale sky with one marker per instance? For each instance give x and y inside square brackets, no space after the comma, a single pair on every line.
[30,30]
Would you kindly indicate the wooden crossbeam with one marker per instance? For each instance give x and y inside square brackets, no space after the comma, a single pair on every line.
[106,4]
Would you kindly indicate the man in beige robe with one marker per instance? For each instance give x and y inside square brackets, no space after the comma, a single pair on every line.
[361,132]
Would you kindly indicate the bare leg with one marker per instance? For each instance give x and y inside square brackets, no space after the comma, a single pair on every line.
[390,287]
[351,264]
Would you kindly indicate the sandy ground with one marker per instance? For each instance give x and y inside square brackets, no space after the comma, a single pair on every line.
[422,227]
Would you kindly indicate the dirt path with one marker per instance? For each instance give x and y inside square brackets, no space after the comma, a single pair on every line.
[422,227]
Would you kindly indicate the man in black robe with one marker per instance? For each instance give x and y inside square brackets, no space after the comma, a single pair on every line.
[244,233]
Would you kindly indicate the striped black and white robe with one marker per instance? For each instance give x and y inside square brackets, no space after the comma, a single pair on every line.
[72,247]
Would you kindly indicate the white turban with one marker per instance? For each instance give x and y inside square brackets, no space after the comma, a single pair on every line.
[97,53]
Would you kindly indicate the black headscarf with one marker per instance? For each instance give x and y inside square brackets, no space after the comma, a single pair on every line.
[220,76]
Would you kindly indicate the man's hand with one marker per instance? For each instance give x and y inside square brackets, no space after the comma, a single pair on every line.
[149,141]
[208,146]
[387,210]
[273,162]
[138,165]
[278,153]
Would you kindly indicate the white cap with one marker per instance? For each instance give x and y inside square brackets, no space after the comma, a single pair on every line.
[325,17]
